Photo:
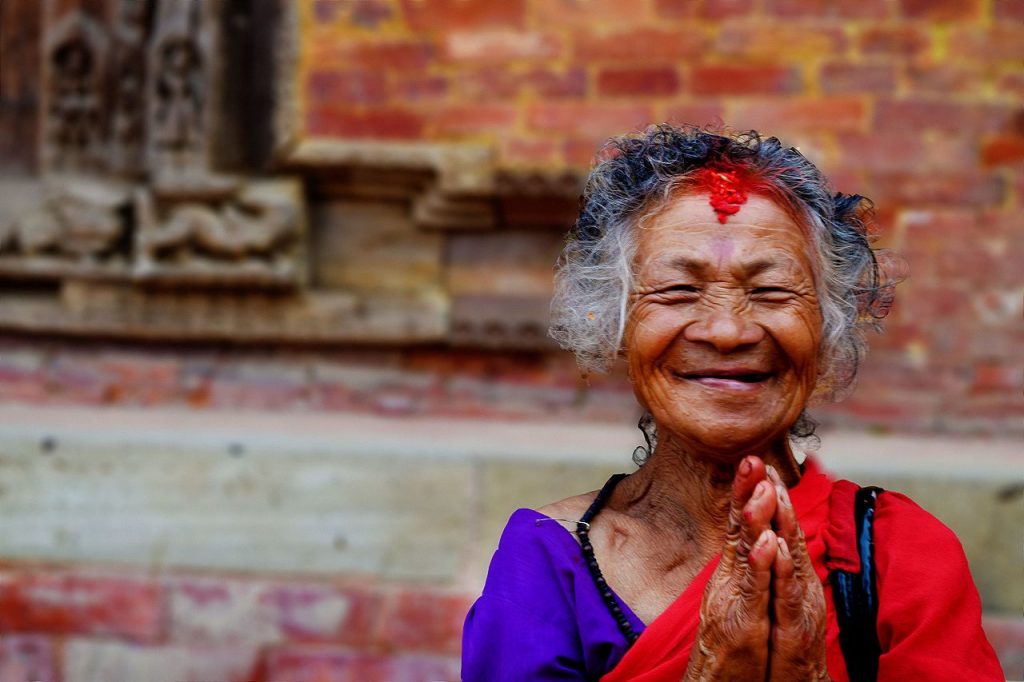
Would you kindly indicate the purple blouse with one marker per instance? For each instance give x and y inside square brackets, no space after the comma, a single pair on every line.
[540,616]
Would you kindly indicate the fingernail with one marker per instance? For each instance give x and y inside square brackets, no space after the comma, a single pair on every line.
[762,540]
[745,467]
[772,473]
[758,491]
[784,496]
[783,548]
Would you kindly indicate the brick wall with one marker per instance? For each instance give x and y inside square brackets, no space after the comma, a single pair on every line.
[91,624]
[918,105]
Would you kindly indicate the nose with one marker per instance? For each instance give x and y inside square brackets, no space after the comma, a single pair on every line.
[725,330]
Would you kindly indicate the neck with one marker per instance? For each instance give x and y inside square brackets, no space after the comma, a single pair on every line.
[680,489]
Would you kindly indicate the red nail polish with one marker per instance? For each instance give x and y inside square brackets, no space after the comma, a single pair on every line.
[745,467]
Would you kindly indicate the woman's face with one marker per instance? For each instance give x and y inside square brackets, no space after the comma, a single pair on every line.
[724,329]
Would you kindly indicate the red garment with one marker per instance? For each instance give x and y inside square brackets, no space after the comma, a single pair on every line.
[929,620]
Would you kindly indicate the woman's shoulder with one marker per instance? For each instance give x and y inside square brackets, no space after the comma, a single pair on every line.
[570,508]
[898,515]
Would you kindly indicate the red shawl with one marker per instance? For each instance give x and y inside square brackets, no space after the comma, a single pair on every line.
[929,627]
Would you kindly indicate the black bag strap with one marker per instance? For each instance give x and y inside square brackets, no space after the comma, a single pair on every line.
[856,597]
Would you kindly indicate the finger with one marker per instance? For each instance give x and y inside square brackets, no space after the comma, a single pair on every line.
[786,524]
[787,588]
[756,518]
[798,632]
[749,473]
[757,580]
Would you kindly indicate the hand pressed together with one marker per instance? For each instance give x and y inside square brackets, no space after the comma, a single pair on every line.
[763,612]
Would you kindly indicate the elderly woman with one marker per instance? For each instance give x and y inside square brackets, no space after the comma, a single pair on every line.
[733,284]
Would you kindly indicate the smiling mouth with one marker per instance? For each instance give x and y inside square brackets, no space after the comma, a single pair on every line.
[737,380]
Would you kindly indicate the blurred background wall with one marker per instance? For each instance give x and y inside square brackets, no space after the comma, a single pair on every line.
[273,300]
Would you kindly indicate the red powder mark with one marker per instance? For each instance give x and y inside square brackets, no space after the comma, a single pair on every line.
[727,191]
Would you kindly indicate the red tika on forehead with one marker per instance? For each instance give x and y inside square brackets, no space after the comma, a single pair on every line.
[727,192]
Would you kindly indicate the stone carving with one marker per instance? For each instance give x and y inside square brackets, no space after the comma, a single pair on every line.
[133,92]
[81,228]
[74,64]
[128,107]
[182,85]
[254,236]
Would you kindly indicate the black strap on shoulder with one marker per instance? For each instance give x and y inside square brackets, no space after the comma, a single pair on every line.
[856,597]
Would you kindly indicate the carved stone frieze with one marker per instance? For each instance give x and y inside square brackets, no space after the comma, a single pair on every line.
[74,107]
[79,229]
[183,88]
[253,236]
[133,101]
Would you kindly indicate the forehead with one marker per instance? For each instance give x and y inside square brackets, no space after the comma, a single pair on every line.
[688,223]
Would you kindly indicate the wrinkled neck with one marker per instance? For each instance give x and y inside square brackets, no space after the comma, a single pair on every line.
[690,492]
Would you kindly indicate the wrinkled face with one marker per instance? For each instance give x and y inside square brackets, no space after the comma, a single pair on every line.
[724,329]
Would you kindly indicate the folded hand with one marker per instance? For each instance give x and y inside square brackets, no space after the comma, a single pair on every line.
[763,612]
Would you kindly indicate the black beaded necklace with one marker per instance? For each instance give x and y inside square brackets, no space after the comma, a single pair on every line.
[583,533]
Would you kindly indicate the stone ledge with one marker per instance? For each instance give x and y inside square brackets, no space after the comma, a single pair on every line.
[420,499]
[849,453]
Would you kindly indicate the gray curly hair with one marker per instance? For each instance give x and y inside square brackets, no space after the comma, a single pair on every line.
[638,174]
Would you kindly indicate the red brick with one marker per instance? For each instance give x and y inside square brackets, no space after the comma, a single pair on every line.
[28,657]
[377,124]
[941,10]
[769,115]
[938,188]
[420,87]
[425,621]
[67,603]
[989,378]
[1011,84]
[894,41]
[469,119]
[447,15]
[516,151]
[394,56]
[846,9]
[643,44]
[1008,9]
[579,151]
[370,13]
[735,79]
[999,43]
[588,119]
[326,11]
[572,13]
[724,9]
[332,664]
[1003,150]
[488,83]
[701,115]
[704,9]
[844,77]
[293,604]
[878,151]
[571,83]
[941,115]
[638,82]
[501,46]
[943,78]
[782,41]
[339,88]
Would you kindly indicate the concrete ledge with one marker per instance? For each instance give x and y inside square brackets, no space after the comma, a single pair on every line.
[420,499]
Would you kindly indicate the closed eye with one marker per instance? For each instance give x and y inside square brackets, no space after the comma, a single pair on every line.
[679,293]
[771,294]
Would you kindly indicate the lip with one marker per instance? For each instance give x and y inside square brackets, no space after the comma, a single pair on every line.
[736,379]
